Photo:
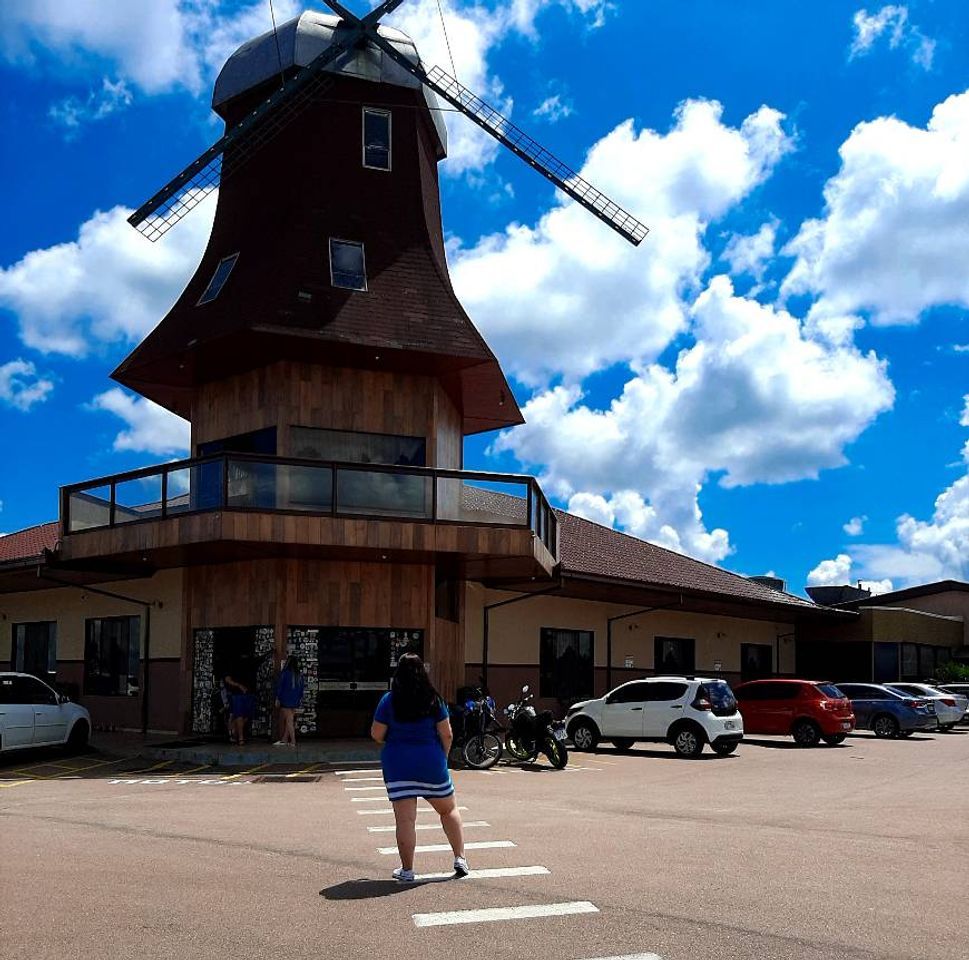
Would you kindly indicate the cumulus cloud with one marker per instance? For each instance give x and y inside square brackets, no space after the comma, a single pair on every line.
[149,427]
[21,386]
[72,113]
[855,526]
[894,237]
[892,22]
[755,399]
[553,108]
[106,286]
[837,572]
[571,280]
[750,254]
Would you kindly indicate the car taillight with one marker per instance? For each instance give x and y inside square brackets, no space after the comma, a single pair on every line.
[916,704]
[948,702]
[701,703]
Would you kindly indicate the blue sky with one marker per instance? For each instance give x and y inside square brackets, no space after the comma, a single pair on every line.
[777,380]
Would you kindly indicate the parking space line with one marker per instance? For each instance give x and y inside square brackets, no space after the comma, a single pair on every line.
[442,847]
[243,773]
[157,766]
[304,770]
[99,763]
[527,912]
[391,827]
[14,783]
[491,873]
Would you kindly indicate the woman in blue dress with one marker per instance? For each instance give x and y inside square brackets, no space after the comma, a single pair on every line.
[412,724]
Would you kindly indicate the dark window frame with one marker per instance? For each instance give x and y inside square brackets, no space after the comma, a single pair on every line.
[377,112]
[93,684]
[363,265]
[687,643]
[18,647]
[216,284]
[756,675]
[551,684]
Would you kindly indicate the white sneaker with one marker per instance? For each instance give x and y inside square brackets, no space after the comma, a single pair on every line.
[461,867]
[280,743]
[404,876]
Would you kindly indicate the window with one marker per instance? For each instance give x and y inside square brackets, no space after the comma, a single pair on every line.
[637,692]
[830,690]
[347,267]
[566,663]
[665,691]
[346,446]
[673,655]
[755,660]
[219,278]
[34,648]
[33,691]
[376,139]
[112,655]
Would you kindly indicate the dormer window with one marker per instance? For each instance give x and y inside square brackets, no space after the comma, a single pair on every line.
[347,267]
[376,139]
[219,278]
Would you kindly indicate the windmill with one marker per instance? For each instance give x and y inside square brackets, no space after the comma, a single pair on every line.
[245,137]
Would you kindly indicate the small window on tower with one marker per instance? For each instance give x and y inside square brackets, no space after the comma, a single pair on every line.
[347,268]
[219,278]
[376,139]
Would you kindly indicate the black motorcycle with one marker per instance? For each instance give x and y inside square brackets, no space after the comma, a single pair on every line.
[473,723]
[530,733]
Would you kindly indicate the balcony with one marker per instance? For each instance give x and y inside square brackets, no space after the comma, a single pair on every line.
[286,503]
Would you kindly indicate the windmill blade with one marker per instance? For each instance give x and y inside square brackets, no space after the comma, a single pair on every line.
[182,193]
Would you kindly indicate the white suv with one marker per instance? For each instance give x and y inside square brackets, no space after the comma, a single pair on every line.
[684,711]
[34,715]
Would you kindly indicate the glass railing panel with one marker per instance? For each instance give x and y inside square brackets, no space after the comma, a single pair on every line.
[503,503]
[377,493]
[180,487]
[251,484]
[89,508]
[305,488]
[139,499]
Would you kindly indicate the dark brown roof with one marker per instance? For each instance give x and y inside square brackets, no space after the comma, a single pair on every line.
[911,593]
[588,548]
[28,543]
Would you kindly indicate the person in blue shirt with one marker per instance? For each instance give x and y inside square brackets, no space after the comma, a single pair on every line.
[289,696]
[412,724]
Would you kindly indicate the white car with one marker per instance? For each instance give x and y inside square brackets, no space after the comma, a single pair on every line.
[950,708]
[961,690]
[32,714]
[686,712]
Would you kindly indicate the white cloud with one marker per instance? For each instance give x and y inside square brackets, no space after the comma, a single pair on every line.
[855,526]
[72,112]
[150,428]
[961,347]
[755,399]
[21,386]
[552,109]
[891,21]
[894,238]
[108,285]
[831,573]
[964,418]
[572,282]
[750,254]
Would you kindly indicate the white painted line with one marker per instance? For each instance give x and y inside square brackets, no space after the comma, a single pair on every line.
[382,799]
[361,779]
[442,847]
[390,828]
[370,813]
[361,789]
[527,912]
[343,773]
[633,956]
[491,873]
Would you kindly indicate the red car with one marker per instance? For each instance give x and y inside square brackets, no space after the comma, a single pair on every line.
[807,710]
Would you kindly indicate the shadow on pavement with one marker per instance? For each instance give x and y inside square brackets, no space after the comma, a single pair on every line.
[652,755]
[365,889]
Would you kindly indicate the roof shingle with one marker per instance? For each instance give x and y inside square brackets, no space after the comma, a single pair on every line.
[31,542]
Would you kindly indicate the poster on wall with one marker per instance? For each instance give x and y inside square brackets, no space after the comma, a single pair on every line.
[405,641]
[303,643]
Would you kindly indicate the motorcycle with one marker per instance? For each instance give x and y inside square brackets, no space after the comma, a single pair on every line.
[473,721]
[530,733]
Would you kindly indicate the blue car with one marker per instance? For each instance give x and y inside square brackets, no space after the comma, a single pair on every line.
[886,712]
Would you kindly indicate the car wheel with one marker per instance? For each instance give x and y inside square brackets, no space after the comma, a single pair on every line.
[622,743]
[724,749]
[948,726]
[688,742]
[806,733]
[77,740]
[885,726]
[584,734]
[833,739]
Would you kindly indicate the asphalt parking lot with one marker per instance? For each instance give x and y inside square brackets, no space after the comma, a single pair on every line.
[776,852]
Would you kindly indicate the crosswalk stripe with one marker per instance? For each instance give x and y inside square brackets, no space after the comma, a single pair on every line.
[633,956]
[360,779]
[370,813]
[382,799]
[391,827]
[441,847]
[489,874]
[343,773]
[527,912]
[361,789]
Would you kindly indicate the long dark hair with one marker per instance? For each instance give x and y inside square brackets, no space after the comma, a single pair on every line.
[412,693]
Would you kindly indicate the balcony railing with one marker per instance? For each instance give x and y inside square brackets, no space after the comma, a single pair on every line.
[237,481]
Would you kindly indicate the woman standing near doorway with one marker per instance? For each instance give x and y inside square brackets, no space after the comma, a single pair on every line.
[289,696]
[412,724]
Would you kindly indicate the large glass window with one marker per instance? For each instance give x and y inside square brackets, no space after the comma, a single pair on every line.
[351,447]
[376,139]
[567,663]
[34,648]
[112,655]
[755,660]
[675,655]
[347,267]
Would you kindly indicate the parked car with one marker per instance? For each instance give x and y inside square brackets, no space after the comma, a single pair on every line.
[807,710]
[960,688]
[950,708]
[888,713]
[686,712]
[32,714]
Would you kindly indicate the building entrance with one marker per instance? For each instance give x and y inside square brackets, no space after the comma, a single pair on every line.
[348,670]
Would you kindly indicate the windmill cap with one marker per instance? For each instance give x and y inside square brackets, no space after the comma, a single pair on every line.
[300,41]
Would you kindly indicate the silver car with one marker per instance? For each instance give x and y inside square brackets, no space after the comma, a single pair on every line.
[950,708]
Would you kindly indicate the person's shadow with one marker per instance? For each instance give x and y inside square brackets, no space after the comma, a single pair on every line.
[365,889]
